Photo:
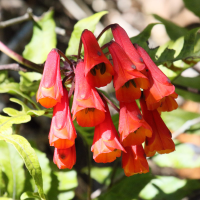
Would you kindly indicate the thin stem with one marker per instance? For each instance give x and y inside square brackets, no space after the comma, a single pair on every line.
[10,22]
[105,46]
[105,29]
[79,50]
[26,17]
[113,173]
[185,127]
[89,175]
[109,101]
[192,90]
[19,58]
[13,66]
[64,56]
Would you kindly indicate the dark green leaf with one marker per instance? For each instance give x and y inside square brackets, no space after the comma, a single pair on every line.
[193,5]
[43,39]
[86,23]
[128,188]
[174,31]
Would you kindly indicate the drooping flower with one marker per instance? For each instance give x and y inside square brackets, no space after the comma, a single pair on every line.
[62,132]
[134,160]
[98,69]
[124,41]
[88,107]
[106,146]
[160,89]
[65,158]
[161,140]
[50,90]
[127,80]
[133,128]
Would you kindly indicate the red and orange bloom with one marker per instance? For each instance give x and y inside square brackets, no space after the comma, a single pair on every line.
[161,140]
[133,128]
[160,89]
[62,132]
[134,160]
[124,41]
[106,146]
[127,80]
[50,90]
[98,69]
[65,158]
[88,107]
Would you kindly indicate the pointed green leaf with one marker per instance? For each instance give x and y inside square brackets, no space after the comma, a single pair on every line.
[12,165]
[30,159]
[43,39]
[174,31]
[86,23]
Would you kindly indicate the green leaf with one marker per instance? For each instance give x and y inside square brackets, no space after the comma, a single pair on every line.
[17,117]
[169,188]
[184,157]
[7,122]
[128,188]
[28,195]
[180,50]
[46,170]
[89,23]
[43,39]
[3,75]
[30,159]
[106,37]
[14,89]
[193,5]
[174,31]
[12,166]
[29,81]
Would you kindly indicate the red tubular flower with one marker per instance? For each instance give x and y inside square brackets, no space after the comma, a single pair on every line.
[98,69]
[133,128]
[160,141]
[65,158]
[106,146]
[161,92]
[127,80]
[62,133]
[88,107]
[124,41]
[50,90]
[134,160]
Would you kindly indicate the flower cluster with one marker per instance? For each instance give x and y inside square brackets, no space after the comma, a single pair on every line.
[135,76]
